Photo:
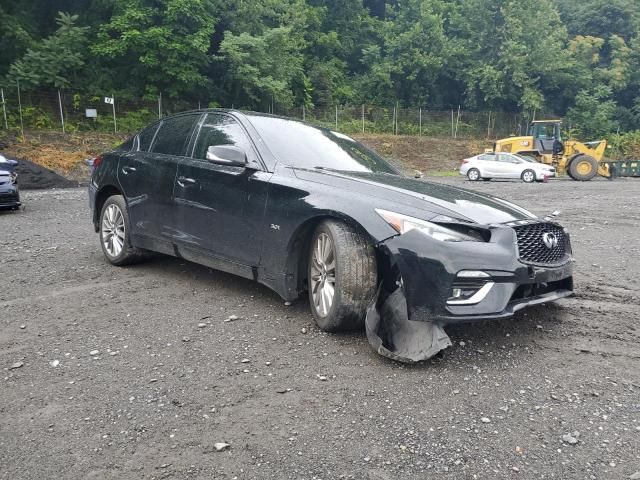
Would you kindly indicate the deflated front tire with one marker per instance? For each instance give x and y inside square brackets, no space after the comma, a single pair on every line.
[342,276]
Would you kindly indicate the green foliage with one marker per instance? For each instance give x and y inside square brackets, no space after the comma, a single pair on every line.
[593,115]
[55,61]
[262,68]
[32,117]
[576,57]
[625,145]
[160,46]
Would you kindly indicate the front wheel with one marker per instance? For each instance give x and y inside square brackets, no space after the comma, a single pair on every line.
[342,276]
[115,232]
[583,168]
[528,176]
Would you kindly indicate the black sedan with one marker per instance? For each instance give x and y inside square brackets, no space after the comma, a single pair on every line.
[302,208]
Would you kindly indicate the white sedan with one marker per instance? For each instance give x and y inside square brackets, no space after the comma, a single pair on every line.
[505,165]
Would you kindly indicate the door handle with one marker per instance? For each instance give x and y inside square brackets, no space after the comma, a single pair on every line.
[127,170]
[185,181]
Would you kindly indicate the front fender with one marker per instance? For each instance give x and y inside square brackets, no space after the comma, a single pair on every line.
[292,211]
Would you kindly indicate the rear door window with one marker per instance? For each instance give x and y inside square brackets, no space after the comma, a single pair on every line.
[174,135]
[217,130]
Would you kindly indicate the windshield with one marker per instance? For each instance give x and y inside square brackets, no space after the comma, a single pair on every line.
[300,145]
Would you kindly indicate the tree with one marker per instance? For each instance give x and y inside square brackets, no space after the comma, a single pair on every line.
[594,113]
[158,46]
[516,54]
[262,68]
[56,60]
[12,32]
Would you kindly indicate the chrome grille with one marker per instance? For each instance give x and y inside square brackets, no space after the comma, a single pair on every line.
[532,247]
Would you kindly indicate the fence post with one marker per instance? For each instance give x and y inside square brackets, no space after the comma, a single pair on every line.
[61,113]
[336,117]
[20,109]
[393,121]
[397,114]
[4,110]
[113,105]
[363,118]
[304,115]
[420,121]
[451,122]
[160,105]
[489,126]
[457,122]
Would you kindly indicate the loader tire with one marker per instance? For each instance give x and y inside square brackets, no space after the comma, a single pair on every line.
[583,168]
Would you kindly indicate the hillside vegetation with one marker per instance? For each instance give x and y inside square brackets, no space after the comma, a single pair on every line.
[574,58]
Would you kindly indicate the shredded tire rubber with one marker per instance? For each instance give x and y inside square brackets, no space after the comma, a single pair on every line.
[393,335]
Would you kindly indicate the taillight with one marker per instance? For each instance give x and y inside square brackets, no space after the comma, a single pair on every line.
[97,161]
[466,160]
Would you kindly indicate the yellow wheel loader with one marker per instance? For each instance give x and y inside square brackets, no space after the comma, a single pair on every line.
[581,161]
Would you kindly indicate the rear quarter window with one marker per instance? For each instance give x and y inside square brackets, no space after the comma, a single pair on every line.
[174,135]
[145,137]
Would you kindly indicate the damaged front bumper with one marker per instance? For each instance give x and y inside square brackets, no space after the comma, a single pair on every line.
[430,283]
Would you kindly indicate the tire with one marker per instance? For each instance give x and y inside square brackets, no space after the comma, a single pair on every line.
[583,168]
[351,259]
[528,176]
[115,233]
[473,174]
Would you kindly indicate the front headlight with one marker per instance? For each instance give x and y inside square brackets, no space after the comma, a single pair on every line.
[403,224]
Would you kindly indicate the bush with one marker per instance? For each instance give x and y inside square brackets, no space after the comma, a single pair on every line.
[625,146]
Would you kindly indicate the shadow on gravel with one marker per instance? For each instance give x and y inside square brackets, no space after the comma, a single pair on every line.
[525,329]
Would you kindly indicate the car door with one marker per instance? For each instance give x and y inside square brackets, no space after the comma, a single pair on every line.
[488,165]
[147,177]
[505,167]
[221,207]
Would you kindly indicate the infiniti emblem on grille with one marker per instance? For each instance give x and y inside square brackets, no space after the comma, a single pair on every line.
[550,240]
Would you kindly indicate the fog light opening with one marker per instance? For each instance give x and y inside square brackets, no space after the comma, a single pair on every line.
[469,293]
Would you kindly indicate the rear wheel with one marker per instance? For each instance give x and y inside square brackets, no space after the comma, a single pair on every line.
[583,168]
[473,174]
[342,276]
[115,233]
[528,176]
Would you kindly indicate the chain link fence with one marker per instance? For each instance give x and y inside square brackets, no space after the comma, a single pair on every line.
[71,112]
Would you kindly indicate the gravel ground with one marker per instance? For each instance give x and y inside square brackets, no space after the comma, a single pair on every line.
[113,373]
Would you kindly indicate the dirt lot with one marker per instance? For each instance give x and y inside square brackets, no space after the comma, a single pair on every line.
[113,373]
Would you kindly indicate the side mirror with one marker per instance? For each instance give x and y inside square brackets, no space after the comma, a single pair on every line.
[227,155]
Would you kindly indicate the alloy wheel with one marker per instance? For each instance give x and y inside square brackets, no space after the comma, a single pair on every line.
[528,177]
[323,274]
[113,233]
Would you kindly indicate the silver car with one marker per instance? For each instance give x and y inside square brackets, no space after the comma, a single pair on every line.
[505,165]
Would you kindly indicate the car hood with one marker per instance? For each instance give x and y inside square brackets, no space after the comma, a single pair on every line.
[433,198]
